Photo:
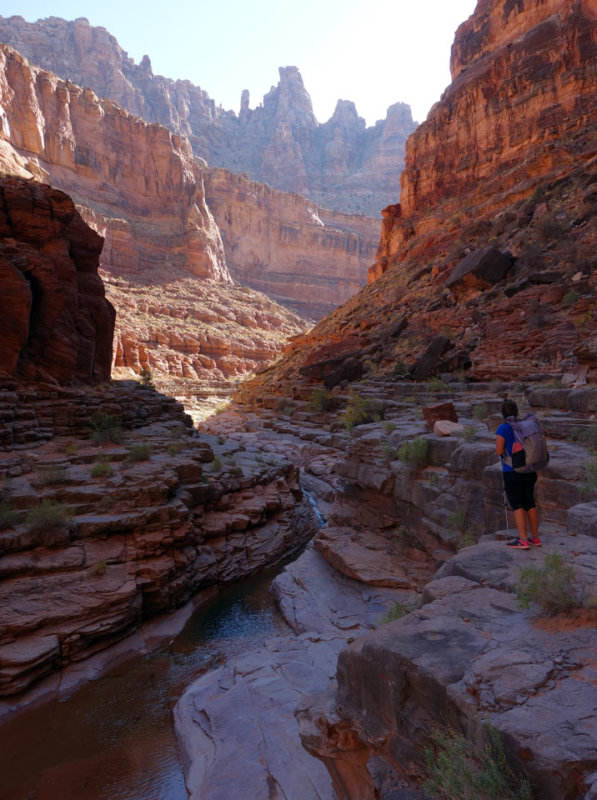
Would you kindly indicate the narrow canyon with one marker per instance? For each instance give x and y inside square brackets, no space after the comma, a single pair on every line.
[226,362]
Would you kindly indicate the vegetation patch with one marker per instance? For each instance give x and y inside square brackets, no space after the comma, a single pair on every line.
[589,484]
[146,378]
[106,428]
[8,515]
[361,410]
[415,452]
[140,452]
[554,587]
[102,469]
[321,400]
[47,517]
[458,768]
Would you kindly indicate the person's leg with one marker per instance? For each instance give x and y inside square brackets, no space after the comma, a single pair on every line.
[533,522]
[520,519]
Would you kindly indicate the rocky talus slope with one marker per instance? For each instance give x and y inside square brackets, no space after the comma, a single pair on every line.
[341,164]
[487,265]
[404,607]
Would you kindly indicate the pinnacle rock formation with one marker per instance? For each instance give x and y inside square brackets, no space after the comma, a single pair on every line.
[341,164]
[503,168]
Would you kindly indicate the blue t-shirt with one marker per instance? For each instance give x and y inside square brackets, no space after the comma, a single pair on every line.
[506,431]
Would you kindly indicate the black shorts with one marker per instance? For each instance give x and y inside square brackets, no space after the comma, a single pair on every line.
[520,489]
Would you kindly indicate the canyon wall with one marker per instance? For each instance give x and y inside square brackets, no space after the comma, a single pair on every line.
[486,267]
[520,112]
[307,258]
[341,164]
[141,188]
[138,184]
[55,322]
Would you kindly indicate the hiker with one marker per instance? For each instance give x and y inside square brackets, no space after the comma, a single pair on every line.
[519,486]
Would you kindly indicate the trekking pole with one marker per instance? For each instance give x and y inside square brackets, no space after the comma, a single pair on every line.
[506,508]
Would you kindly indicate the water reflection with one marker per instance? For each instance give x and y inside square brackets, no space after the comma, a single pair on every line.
[114,739]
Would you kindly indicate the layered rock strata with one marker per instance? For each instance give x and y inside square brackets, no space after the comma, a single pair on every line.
[55,321]
[303,256]
[341,164]
[504,164]
[279,243]
[136,183]
[461,650]
[113,511]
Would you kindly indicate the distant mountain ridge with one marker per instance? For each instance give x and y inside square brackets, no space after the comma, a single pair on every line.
[341,164]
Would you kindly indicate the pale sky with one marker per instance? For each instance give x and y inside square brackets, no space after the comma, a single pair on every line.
[373,52]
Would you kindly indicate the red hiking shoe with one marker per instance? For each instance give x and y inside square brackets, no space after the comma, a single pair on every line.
[518,544]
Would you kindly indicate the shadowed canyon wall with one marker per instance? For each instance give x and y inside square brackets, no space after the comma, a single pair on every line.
[341,164]
[55,321]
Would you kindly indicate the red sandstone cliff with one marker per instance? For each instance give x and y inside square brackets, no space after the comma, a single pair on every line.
[55,321]
[486,267]
[307,258]
[340,164]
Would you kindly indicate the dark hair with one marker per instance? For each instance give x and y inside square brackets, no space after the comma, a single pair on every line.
[509,409]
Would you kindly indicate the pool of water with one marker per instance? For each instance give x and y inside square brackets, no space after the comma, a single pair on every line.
[114,739]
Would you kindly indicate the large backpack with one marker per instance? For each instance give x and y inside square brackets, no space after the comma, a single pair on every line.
[529,452]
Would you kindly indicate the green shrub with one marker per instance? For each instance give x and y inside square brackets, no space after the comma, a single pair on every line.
[480,411]
[589,484]
[216,463]
[361,410]
[586,436]
[415,452]
[174,448]
[106,428]
[99,569]
[140,452]
[554,587]
[469,433]
[398,610]
[389,426]
[435,384]
[146,376]
[457,520]
[8,515]
[52,474]
[458,769]
[102,469]
[321,400]
[388,452]
[47,517]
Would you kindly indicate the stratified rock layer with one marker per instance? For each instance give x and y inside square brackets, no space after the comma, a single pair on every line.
[55,320]
[341,164]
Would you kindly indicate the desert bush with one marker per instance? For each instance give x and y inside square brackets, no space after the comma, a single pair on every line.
[469,433]
[8,515]
[216,463]
[398,610]
[99,568]
[140,452]
[586,436]
[415,452]
[435,384]
[47,517]
[554,587]
[321,400]
[589,483]
[388,452]
[361,410]
[480,412]
[174,448]
[106,428]
[102,469]
[52,474]
[389,426]
[146,376]
[458,768]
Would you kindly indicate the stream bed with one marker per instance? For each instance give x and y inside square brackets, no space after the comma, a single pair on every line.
[114,738]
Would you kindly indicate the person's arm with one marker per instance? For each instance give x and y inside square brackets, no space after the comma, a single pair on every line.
[500,445]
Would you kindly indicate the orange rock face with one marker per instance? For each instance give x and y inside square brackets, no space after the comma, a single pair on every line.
[137,183]
[55,321]
[520,112]
[308,258]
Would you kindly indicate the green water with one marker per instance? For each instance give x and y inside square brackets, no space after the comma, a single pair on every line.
[114,739]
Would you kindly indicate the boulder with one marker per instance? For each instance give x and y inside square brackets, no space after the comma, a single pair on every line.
[485,267]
